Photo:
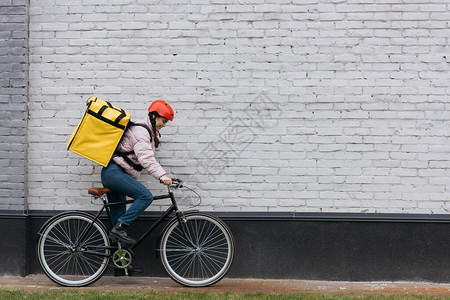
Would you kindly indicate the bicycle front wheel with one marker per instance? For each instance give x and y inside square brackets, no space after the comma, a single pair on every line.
[199,254]
[73,249]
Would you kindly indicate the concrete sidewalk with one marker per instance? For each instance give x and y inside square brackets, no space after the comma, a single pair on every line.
[41,282]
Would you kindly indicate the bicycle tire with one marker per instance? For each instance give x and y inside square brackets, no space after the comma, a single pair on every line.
[209,262]
[64,258]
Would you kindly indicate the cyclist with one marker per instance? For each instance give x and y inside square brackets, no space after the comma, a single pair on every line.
[134,153]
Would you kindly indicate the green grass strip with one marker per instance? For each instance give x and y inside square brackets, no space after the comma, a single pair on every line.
[131,295]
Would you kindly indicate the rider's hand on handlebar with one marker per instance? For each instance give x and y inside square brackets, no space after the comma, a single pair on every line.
[166,180]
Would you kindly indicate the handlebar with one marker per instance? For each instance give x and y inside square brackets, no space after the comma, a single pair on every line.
[176,183]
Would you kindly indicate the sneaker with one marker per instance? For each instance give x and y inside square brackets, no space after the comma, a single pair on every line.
[118,233]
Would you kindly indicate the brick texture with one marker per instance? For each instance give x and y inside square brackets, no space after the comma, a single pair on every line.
[333,106]
[13,99]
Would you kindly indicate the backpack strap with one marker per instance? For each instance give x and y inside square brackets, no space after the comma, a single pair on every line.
[142,125]
[124,155]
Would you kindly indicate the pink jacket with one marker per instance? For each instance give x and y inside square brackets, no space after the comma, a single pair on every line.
[136,139]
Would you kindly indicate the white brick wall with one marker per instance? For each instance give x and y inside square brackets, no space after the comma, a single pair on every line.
[333,106]
[13,98]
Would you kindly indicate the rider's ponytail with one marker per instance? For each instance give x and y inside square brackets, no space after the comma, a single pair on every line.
[152,116]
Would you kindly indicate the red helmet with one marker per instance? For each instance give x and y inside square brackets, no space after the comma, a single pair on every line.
[162,108]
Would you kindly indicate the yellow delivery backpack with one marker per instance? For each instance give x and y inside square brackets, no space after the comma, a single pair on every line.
[99,132]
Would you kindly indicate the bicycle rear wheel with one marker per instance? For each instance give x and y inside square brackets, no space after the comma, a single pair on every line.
[65,258]
[203,255]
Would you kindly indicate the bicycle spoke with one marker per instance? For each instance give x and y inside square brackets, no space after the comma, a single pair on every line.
[179,237]
[61,263]
[88,263]
[81,234]
[213,261]
[210,236]
[203,267]
[58,241]
[92,238]
[60,233]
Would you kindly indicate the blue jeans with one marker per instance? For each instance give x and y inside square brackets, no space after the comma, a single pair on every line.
[115,178]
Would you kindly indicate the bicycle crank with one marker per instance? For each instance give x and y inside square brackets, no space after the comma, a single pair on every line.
[122,258]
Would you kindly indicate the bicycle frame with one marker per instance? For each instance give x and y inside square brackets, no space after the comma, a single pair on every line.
[173,208]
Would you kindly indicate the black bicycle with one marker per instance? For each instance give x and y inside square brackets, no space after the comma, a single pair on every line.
[195,248]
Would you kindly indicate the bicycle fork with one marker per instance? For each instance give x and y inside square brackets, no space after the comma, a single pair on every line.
[182,221]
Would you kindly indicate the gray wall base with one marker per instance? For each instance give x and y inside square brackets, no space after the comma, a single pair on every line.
[349,247]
